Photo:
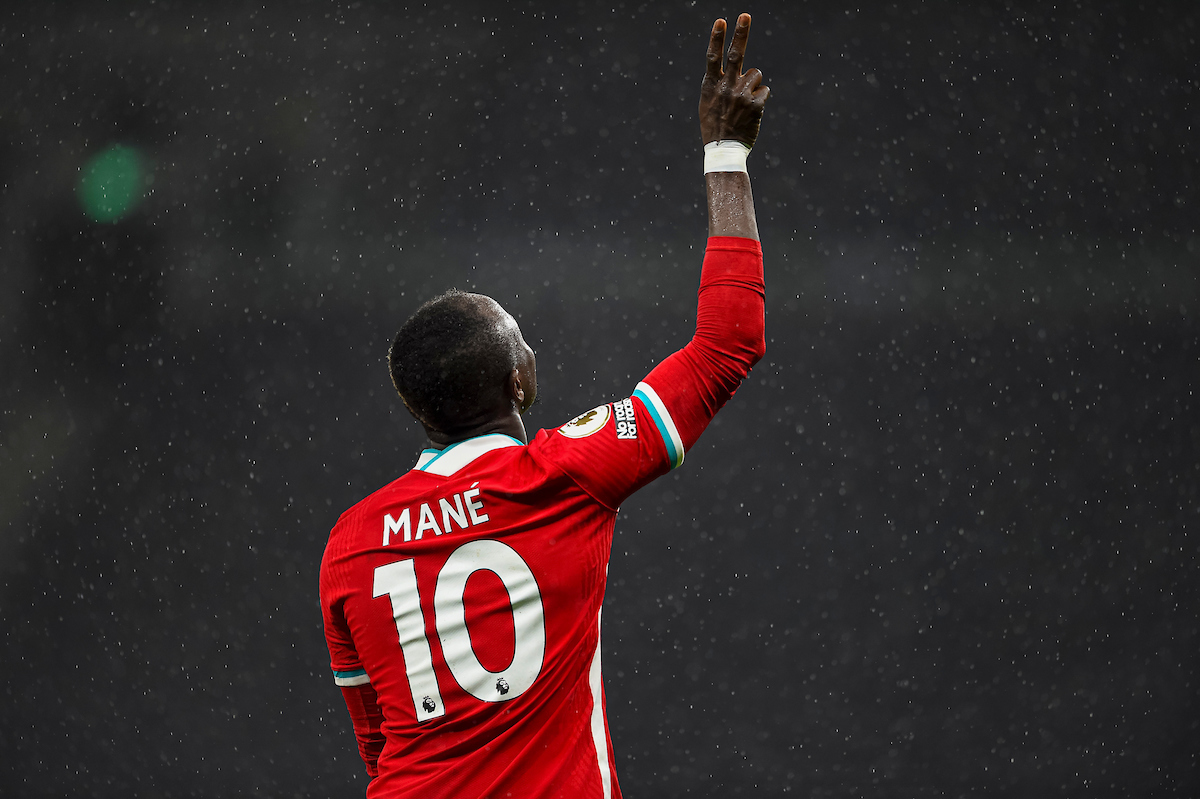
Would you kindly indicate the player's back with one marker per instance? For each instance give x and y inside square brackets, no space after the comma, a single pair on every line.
[468,593]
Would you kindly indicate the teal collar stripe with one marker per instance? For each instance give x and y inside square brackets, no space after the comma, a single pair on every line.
[349,679]
[456,456]
[663,421]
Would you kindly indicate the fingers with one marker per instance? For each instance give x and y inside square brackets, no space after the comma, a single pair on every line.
[716,51]
[737,50]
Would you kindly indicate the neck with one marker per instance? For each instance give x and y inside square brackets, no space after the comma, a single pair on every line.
[508,424]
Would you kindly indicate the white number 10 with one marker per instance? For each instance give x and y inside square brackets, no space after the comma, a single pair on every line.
[398,581]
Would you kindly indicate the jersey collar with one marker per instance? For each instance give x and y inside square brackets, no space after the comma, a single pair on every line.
[447,461]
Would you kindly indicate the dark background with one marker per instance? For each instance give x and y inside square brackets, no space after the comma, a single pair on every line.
[943,542]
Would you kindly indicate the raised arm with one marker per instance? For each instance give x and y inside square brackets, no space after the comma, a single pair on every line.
[696,381]
[731,109]
[673,405]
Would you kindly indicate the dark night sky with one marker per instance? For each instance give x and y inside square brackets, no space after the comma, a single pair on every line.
[943,542]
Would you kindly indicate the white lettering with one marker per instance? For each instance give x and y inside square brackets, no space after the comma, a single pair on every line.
[454,512]
[462,510]
[476,518]
[626,421]
[427,521]
[391,525]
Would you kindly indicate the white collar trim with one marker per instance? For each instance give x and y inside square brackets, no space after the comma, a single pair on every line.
[454,457]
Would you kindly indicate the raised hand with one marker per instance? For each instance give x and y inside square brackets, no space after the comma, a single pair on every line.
[731,101]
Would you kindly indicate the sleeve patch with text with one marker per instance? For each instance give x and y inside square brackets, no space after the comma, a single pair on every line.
[626,424]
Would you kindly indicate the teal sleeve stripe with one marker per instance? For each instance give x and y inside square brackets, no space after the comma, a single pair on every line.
[351,678]
[663,421]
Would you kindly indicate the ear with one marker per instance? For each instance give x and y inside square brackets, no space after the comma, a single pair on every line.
[516,391]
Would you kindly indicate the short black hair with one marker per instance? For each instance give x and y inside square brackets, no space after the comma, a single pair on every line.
[450,360]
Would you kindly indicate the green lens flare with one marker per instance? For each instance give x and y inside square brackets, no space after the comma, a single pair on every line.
[110,184]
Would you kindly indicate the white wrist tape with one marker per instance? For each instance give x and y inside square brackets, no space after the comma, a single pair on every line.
[727,155]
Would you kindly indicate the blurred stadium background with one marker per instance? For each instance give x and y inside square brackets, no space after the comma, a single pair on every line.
[943,542]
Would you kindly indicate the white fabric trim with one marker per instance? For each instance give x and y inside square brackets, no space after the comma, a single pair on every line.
[596,683]
[662,422]
[350,679]
[456,456]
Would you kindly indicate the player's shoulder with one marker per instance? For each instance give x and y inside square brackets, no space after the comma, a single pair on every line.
[547,444]
[591,439]
[589,423]
[387,494]
[618,423]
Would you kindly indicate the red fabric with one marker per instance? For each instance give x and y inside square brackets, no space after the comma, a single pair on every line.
[446,624]
[536,742]
[699,379]
[367,718]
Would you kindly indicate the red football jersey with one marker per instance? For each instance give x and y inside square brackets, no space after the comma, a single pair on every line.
[464,597]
